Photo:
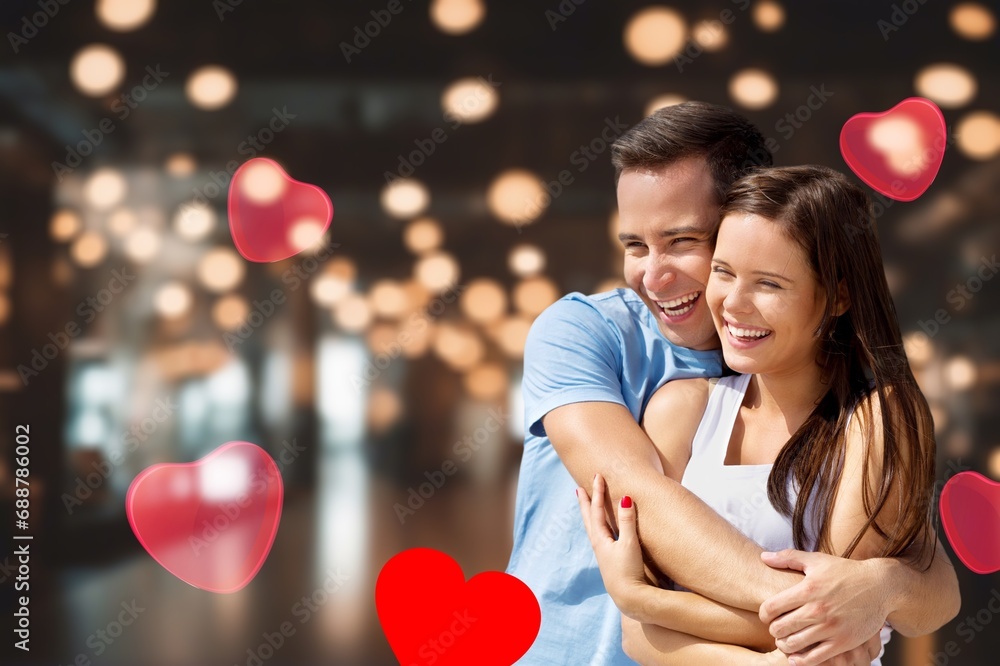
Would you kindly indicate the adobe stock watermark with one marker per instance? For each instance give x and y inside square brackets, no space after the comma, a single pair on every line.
[223,7]
[969,628]
[424,148]
[104,638]
[463,450]
[434,648]
[304,609]
[264,309]
[31,24]
[581,158]
[249,148]
[415,324]
[88,309]
[562,12]
[900,14]
[372,29]
[122,107]
[962,294]
[693,50]
[85,487]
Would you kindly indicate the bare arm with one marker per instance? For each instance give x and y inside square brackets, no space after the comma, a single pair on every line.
[651,645]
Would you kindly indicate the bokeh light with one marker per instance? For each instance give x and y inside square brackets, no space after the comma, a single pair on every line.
[142,244]
[97,70]
[710,35]
[469,100]
[457,17]
[768,16]
[655,35]
[662,101]
[352,313]
[948,85]
[124,15]
[526,260]
[230,311]
[220,269]
[172,300]
[262,183]
[328,289]
[973,21]
[89,249]
[121,221]
[484,301]
[511,335]
[180,165]
[993,463]
[458,346]
[960,373]
[533,295]
[437,271]
[517,197]
[211,87]
[486,382]
[194,221]
[105,188]
[384,409]
[423,235]
[388,299]
[978,135]
[404,198]
[919,348]
[753,89]
[64,225]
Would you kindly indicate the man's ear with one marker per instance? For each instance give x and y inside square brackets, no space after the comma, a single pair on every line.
[843,303]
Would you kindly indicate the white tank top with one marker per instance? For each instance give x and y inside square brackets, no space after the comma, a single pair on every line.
[738,493]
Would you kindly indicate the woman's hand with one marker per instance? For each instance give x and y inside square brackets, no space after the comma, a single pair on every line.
[620,561]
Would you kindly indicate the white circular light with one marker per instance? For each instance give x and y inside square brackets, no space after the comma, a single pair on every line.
[142,245]
[405,198]
[457,17]
[655,35]
[124,15]
[172,300]
[753,88]
[423,235]
[97,70]
[220,269]
[211,87]
[978,135]
[437,271]
[517,197]
[469,100]
[526,260]
[194,221]
[105,188]
[946,84]
[89,249]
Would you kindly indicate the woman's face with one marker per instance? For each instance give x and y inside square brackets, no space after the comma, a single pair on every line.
[765,299]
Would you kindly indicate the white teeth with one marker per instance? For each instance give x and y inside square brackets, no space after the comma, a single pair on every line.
[680,301]
[747,333]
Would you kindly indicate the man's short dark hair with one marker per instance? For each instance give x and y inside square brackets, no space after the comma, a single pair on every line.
[731,144]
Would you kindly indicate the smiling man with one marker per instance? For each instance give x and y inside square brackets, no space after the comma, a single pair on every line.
[591,364]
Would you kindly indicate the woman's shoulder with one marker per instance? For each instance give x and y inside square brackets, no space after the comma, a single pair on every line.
[679,398]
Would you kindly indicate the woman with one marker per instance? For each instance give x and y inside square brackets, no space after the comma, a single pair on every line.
[824,442]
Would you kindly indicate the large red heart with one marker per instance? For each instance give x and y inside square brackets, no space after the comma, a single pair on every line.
[970,512]
[431,615]
[210,522]
[897,152]
[273,216]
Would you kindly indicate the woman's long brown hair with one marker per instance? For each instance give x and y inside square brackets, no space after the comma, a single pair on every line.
[832,220]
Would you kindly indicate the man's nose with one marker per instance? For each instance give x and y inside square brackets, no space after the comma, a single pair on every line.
[659,274]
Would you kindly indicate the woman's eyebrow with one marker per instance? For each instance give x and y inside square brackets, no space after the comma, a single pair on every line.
[766,273]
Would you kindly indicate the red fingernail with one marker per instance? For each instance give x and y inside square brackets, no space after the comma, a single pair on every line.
[577,491]
[626,502]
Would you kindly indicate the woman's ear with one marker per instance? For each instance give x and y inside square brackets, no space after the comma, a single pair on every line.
[843,303]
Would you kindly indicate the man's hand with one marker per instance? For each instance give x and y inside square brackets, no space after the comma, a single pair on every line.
[837,605]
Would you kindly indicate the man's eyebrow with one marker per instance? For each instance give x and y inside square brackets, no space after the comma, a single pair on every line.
[767,273]
[667,233]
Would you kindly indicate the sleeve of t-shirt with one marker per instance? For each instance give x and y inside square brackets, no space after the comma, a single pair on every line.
[572,354]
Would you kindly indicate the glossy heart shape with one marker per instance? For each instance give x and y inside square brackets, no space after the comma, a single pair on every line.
[897,152]
[430,614]
[210,522]
[273,216]
[970,512]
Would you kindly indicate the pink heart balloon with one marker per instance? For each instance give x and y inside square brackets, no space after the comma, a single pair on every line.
[273,216]
[970,513]
[897,152]
[210,522]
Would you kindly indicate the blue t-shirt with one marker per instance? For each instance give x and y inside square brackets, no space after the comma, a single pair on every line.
[601,348]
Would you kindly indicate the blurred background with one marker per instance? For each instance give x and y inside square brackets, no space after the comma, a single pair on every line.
[464,146]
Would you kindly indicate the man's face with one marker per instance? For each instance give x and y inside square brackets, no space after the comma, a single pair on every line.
[666,218]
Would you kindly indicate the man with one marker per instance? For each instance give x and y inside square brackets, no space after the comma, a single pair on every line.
[592,363]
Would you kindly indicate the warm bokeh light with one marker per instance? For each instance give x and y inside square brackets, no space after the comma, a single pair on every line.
[262,183]
[526,260]
[305,233]
[388,299]
[352,313]
[900,139]
[4,309]
[423,235]
[517,197]
[973,21]
[939,416]
[469,100]
[710,35]
[341,267]
[978,135]
[661,101]
[121,222]
[960,373]
[458,346]
[105,188]
[404,198]
[230,311]
[948,85]
[221,269]
[437,271]
[89,249]
[172,300]
[511,335]
[919,348]
[124,15]
[381,336]
[142,244]
[210,87]
[768,16]
[486,382]
[753,89]
[97,70]
[655,35]
[194,221]
[993,463]
[384,409]
[457,17]
[533,295]
[65,224]
[180,165]
[484,301]
[327,290]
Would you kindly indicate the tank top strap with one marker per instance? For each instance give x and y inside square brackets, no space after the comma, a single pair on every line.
[711,441]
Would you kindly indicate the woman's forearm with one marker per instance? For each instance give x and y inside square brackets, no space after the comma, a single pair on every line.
[652,645]
[695,615]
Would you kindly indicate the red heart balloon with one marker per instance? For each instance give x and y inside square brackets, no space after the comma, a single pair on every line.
[970,512]
[210,522]
[271,215]
[897,152]
[431,615]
